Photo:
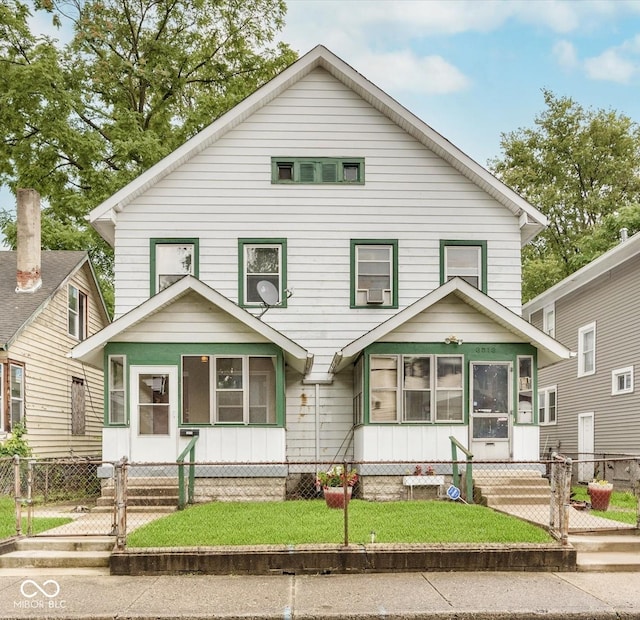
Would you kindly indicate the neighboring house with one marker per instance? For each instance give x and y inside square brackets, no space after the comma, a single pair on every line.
[318,275]
[589,405]
[49,301]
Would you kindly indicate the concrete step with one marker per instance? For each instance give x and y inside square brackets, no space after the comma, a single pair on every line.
[139,509]
[494,501]
[607,552]
[147,500]
[42,558]
[66,543]
[515,490]
[137,491]
[32,572]
[601,562]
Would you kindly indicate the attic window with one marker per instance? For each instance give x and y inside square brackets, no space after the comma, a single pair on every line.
[321,170]
[171,260]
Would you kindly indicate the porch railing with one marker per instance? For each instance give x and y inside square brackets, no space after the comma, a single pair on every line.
[455,446]
[191,451]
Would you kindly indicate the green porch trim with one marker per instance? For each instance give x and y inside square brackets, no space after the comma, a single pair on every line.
[483,253]
[283,276]
[471,352]
[354,243]
[170,354]
[154,241]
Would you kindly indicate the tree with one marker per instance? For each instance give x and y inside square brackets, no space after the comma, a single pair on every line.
[136,80]
[581,168]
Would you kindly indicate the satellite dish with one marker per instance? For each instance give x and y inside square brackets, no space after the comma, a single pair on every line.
[268,293]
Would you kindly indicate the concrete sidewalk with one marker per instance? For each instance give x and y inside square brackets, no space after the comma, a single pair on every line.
[445,596]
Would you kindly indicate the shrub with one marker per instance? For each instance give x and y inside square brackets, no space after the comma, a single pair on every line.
[16,444]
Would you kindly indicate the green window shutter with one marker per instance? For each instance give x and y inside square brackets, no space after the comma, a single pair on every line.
[307,172]
[329,172]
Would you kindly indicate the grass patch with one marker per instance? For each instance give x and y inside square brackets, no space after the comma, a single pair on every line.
[622,506]
[310,521]
[8,520]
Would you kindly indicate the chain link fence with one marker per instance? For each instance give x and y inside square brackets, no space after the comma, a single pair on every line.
[93,497]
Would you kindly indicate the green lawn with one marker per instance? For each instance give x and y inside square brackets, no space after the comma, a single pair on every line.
[310,521]
[622,506]
[8,520]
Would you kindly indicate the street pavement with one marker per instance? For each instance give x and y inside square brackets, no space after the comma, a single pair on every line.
[438,595]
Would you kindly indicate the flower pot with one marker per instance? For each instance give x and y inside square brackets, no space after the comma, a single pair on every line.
[600,495]
[334,496]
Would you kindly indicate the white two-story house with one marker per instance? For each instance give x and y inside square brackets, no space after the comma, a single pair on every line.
[318,275]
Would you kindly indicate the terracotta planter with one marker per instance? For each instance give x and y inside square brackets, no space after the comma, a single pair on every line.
[334,496]
[600,495]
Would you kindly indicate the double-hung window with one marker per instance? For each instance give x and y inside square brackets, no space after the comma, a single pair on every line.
[76,312]
[549,320]
[415,388]
[374,273]
[466,260]
[622,381]
[547,406]
[233,389]
[587,350]
[171,260]
[16,390]
[262,269]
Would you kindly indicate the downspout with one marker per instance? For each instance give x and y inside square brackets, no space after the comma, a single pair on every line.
[317,423]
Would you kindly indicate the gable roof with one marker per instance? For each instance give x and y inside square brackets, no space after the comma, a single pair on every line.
[550,351]
[17,310]
[531,220]
[605,262]
[90,350]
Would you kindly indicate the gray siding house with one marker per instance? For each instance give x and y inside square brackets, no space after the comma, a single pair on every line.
[589,405]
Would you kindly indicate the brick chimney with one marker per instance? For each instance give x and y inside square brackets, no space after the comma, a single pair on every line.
[28,242]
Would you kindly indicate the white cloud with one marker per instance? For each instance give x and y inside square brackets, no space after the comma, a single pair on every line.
[565,54]
[405,71]
[610,66]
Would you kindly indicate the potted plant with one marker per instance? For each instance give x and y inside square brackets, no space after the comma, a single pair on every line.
[600,493]
[332,483]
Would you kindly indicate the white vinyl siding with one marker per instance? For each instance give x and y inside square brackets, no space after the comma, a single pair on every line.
[225,193]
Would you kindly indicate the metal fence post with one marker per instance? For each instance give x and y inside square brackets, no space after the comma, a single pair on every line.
[121,503]
[17,494]
[345,488]
[29,497]
[567,466]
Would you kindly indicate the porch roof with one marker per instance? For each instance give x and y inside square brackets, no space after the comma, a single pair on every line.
[90,350]
[550,350]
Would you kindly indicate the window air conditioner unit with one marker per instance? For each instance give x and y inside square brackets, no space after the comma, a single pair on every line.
[375,296]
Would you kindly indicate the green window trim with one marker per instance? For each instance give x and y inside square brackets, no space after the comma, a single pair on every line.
[317,170]
[444,243]
[354,301]
[170,354]
[282,288]
[153,245]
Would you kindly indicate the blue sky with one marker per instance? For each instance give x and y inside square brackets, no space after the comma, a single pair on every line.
[475,69]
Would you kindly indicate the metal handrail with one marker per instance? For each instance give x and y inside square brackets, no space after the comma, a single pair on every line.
[455,445]
[191,450]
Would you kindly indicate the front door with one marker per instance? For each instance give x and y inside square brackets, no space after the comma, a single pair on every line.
[490,425]
[154,413]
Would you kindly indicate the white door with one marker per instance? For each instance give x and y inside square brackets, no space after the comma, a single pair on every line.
[154,414]
[491,410]
[586,446]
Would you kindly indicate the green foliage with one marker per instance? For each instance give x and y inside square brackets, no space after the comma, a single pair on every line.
[16,444]
[310,521]
[581,168]
[138,78]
